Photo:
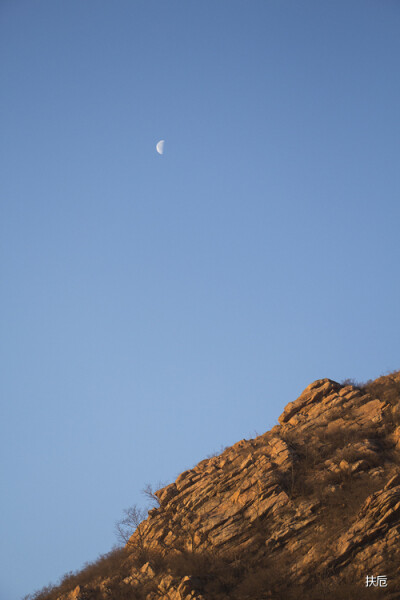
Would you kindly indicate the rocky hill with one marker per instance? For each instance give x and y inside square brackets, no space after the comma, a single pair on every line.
[310,509]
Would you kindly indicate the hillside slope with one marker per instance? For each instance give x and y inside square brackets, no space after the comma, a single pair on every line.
[306,510]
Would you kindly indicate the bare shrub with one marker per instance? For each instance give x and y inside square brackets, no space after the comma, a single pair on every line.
[385,388]
[131,524]
[150,495]
[355,384]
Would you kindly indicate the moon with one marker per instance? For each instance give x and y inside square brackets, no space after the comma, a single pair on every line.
[160,147]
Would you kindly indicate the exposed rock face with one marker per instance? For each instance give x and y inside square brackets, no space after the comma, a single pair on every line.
[307,510]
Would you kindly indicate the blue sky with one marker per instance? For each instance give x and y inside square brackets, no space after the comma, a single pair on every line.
[155,308]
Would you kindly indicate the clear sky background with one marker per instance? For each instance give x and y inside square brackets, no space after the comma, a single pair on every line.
[155,308]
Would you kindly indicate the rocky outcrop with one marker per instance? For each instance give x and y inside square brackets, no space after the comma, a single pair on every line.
[311,507]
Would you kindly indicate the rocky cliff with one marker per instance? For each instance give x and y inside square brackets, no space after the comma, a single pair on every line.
[310,509]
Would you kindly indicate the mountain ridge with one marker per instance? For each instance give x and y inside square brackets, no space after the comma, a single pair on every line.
[308,509]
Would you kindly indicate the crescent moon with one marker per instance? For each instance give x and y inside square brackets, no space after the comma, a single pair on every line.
[160,147]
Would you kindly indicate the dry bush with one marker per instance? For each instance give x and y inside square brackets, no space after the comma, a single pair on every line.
[358,385]
[124,528]
[48,591]
[253,584]
[385,388]
[340,508]
[105,566]
[196,564]
[215,574]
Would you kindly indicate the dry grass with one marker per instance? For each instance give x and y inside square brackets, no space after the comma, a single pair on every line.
[106,566]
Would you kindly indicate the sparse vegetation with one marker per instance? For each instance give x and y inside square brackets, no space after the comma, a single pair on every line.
[150,493]
[104,567]
[385,388]
[124,528]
